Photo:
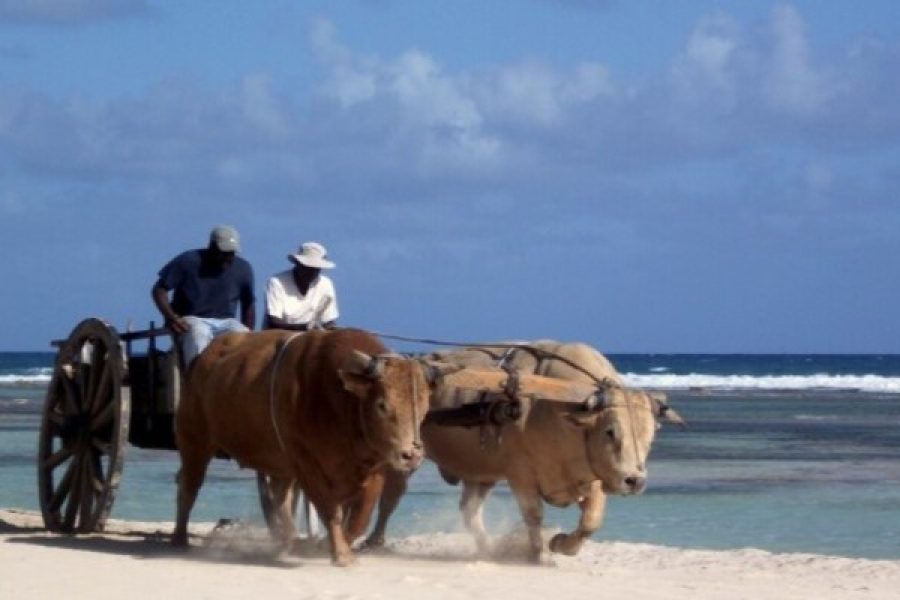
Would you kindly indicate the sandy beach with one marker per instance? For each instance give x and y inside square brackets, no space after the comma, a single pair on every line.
[133,560]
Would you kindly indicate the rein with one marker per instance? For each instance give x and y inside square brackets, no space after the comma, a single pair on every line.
[278,358]
[417,435]
[536,352]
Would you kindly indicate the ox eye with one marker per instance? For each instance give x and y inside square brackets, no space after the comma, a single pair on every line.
[381,405]
[611,433]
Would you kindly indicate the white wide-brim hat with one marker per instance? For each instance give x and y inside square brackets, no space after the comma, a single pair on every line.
[312,254]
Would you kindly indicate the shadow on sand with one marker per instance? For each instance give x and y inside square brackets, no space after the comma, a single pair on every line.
[221,545]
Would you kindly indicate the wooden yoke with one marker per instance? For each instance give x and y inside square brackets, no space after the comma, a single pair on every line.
[520,384]
[507,395]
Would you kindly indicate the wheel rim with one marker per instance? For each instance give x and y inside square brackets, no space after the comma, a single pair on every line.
[83,430]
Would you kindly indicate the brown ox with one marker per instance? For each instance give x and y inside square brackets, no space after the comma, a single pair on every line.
[553,454]
[324,410]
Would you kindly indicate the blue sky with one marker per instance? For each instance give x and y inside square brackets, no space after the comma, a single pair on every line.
[647,176]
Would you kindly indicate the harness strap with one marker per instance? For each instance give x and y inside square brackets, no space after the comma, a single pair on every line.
[417,436]
[272,388]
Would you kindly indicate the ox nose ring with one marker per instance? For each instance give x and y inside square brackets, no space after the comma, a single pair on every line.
[413,454]
[634,482]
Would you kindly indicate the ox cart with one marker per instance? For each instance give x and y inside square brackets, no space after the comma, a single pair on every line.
[109,389]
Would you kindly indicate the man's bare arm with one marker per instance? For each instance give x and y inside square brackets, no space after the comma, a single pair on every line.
[160,297]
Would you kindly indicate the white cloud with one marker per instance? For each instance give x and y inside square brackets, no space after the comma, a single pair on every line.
[792,82]
[446,121]
[711,48]
[390,119]
[707,73]
[429,96]
[426,108]
[535,94]
[260,105]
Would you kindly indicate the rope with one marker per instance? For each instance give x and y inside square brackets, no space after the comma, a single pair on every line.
[415,410]
[537,352]
[272,388]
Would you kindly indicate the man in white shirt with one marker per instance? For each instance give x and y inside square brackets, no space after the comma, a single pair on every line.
[302,298]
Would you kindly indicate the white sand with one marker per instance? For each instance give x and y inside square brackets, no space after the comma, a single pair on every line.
[132,561]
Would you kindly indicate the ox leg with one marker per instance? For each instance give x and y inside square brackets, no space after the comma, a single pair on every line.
[395,484]
[593,507]
[333,516]
[359,511]
[533,515]
[472,506]
[282,512]
[190,478]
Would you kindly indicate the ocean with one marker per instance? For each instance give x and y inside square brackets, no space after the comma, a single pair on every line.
[787,453]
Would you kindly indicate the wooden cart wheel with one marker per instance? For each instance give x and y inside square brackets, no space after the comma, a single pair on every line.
[84,430]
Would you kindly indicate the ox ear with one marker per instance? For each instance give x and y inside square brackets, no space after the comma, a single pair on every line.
[664,411]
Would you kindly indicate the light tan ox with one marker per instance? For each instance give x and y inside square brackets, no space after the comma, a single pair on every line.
[552,455]
[342,408]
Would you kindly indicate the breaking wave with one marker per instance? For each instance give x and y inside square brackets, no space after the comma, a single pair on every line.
[863,383]
[40,376]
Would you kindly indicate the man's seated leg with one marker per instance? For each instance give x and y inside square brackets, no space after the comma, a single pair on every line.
[195,339]
[220,326]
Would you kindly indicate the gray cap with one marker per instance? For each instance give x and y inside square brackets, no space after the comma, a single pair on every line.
[225,238]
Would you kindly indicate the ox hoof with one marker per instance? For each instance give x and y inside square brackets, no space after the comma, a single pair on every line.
[343,560]
[564,544]
[373,542]
[541,559]
[180,542]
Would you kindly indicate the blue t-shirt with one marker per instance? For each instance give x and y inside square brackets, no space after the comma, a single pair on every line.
[204,288]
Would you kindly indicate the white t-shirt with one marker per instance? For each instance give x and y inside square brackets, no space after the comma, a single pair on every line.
[284,300]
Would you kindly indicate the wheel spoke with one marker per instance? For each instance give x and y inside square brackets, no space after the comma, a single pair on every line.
[87,495]
[57,458]
[55,419]
[97,479]
[71,397]
[89,381]
[99,393]
[98,371]
[64,487]
[103,417]
[104,448]
[74,494]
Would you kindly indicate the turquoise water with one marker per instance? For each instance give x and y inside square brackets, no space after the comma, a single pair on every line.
[810,469]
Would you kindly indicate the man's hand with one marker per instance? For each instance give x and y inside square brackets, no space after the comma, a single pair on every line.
[161,298]
[177,325]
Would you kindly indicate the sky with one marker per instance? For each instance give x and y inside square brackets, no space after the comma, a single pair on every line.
[645,176]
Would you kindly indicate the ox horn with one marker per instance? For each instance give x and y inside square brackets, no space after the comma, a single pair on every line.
[365,365]
[664,411]
[435,370]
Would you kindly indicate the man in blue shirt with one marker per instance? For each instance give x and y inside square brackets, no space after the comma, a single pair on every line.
[207,284]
